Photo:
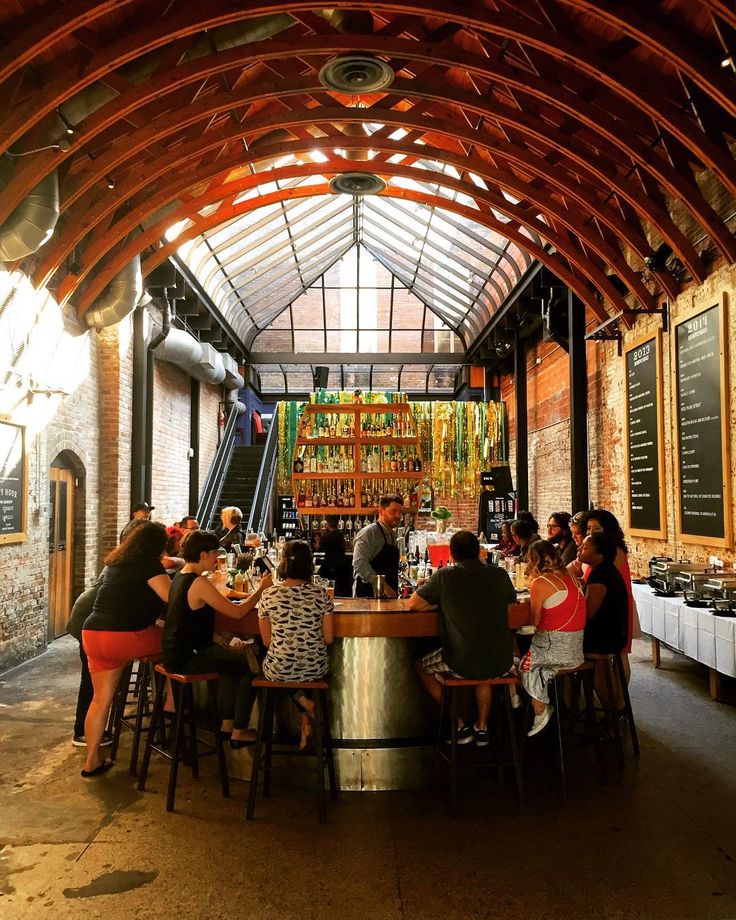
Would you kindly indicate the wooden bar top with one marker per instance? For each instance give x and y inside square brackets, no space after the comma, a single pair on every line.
[367,618]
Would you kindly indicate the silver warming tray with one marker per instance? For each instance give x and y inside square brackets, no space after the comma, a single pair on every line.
[701,583]
[662,573]
[722,588]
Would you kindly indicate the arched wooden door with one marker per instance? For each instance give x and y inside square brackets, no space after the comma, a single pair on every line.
[61,547]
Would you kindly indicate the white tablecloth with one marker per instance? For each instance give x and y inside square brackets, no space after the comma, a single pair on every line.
[695,632]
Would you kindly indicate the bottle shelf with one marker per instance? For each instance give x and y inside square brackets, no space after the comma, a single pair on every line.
[325,442]
[324,475]
[362,475]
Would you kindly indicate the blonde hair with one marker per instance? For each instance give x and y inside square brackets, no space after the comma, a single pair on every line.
[231,516]
[543,556]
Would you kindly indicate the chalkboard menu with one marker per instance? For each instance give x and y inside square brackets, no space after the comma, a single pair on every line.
[12,483]
[643,378]
[702,470]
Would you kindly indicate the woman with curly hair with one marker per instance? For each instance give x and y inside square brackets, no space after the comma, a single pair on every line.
[122,625]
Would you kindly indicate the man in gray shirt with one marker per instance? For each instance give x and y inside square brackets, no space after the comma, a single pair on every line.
[375,551]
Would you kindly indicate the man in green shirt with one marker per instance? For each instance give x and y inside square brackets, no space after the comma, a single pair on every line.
[473,602]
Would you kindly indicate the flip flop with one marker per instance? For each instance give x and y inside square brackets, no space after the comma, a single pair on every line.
[98,771]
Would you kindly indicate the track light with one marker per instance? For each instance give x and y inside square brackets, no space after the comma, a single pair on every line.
[657,261]
[69,127]
[728,61]
[110,182]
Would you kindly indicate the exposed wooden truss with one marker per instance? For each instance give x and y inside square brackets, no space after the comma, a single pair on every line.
[609,126]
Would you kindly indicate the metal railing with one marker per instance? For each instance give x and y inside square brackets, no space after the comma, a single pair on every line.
[260,509]
[218,470]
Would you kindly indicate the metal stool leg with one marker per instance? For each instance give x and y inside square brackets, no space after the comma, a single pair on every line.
[453,751]
[192,741]
[268,732]
[119,701]
[588,680]
[319,751]
[611,710]
[141,707]
[329,747]
[438,746]
[560,748]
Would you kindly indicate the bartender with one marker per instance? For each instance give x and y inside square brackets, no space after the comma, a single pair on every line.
[375,551]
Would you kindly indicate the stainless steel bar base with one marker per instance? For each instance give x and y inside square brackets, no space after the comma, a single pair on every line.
[384,769]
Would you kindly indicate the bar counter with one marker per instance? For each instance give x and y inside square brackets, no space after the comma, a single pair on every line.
[383,723]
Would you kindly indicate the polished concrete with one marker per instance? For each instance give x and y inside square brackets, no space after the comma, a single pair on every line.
[658,841]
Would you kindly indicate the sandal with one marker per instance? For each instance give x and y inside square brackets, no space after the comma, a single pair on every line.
[307,740]
[98,771]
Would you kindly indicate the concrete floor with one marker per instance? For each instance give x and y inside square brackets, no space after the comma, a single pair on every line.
[658,841]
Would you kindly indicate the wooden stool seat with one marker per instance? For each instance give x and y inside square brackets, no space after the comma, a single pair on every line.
[184,744]
[450,684]
[585,666]
[186,678]
[447,680]
[291,684]
[264,752]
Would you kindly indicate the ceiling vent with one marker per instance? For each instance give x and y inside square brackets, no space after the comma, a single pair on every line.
[356,73]
[357,183]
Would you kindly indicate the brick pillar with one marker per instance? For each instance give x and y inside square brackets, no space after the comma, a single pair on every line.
[116,422]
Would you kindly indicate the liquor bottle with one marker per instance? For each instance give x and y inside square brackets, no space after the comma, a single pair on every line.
[340,524]
[298,465]
[417,465]
[348,527]
[389,427]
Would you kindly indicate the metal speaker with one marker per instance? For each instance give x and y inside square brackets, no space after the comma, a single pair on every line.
[356,73]
[357,183]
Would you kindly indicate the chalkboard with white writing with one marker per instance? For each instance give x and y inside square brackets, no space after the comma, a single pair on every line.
[702,436]
[12,483]
[644,437]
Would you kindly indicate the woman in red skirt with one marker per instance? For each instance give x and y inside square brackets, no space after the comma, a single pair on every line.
[122,625]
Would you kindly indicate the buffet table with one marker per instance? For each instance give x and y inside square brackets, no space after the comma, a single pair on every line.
[383,723]
[693,631]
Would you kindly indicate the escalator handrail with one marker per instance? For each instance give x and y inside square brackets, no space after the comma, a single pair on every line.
[218,469]
[262,492]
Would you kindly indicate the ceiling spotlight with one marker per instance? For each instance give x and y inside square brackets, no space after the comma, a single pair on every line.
[356,73]
[728,61]
[69,127]
[110,181]
[357,183]
[657,261]
[503,349]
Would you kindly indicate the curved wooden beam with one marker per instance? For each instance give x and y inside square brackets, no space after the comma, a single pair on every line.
[572,218]
[222,192]
[561,49]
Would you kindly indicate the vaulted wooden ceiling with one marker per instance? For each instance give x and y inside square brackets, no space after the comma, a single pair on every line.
[603,128]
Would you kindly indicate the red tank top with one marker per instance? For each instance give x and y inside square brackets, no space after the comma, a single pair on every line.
[569,614]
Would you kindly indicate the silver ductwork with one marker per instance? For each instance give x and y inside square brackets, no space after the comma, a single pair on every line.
[233,380]
[32,222]
[239,33]
[199,359]
[119,298]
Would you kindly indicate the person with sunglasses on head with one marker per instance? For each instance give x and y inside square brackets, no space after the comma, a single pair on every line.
[578,532]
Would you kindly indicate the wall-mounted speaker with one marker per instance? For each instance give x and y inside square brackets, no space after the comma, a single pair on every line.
[320,376]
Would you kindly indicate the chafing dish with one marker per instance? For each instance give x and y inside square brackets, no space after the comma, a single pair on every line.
[723,607]
[722,588]
[701,583]
[662,573]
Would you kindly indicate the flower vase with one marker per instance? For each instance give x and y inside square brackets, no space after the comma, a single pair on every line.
[440,526]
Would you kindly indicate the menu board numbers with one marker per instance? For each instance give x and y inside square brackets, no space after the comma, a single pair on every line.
[702,470]
[12,483]
[645,473]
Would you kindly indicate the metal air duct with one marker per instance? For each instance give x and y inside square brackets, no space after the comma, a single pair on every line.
[32,222]
[119,298]
[199,359]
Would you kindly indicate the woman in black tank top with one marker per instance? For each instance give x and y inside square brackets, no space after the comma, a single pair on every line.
[189,643]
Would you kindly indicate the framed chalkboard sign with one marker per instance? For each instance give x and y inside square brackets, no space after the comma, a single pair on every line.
[644,437]
[702,469]
[13,483]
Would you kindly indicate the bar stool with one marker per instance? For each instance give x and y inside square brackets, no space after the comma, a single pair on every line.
[263,752]
[450,685]
[182,688]
[584,673]
[133,688]
[613,666]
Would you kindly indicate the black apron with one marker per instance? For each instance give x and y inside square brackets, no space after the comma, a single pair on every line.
[386,563]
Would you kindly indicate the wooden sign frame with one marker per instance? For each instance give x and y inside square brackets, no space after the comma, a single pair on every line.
[661,532]
[21,535]
[726,541]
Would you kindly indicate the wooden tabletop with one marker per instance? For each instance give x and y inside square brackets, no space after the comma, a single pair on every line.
[367,618]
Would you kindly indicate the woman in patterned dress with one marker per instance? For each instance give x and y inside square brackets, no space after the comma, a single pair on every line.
[295,621]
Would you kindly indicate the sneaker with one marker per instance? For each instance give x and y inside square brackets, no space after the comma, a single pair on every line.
[481,736]
[81,741]
[464,736]
[516,701]
[541,720]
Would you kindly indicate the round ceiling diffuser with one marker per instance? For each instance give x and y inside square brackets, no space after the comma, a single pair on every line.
[357,183]
[356,73]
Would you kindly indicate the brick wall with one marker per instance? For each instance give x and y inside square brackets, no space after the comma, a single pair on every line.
[209,401]
[170,463]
